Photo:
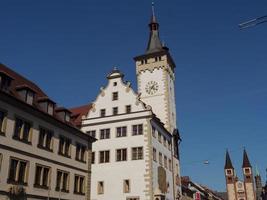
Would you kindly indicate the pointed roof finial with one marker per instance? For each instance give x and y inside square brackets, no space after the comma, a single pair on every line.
[246,162]
[153,19]
[228,162]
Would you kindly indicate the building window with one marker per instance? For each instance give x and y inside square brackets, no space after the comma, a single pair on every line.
[132,198]
[1,159]
[3,119]
[102,112]
[115,110]
[104,134]
[42,177]
[62,181]
[153,131]
[169,145]
[114,83]
[45,139]
[79,184]
[137,153]
[247,171]
[145,61]
[64,147]
[115,96]
[80,152]
[92,133]
[121,131]
[154,154]
[170,164]
[18,171]
[166,162]
[137,129]
[160,158]
[93,158]
[128,109]
[121,154]
[164,141]
[100,187]
[142,62]
[103,156]
[126,186]
[159,137]
[229,172]
[22,130]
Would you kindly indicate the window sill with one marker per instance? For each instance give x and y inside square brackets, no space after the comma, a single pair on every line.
[44,148]
[22,140]
[79,193]
[13,182]
[41,186]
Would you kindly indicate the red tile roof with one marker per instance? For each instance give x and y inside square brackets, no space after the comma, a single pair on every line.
[19,82]
[78,112]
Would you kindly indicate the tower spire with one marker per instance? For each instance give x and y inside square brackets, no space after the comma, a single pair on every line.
[246,162]
[228,162]
[154,43]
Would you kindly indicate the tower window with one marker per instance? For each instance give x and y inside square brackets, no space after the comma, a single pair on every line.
[100,187]
[126,186]
[114,83]
[229,172]
[115,96]
[247,171]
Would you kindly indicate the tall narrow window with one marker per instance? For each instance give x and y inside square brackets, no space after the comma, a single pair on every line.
[45,139]
[115,96]
[79,184]
[126,186]
[1,159]
[64,146]
[104,134]
[18,171]
[22,130]
[2,122]
[137,153]
[80,152]
[153,131]
[100,187]
[159,137]
[103,156]
[154,154]
[121,154]
[93,158]
[115,110]
[164,141]
[160,158]
[128,109]
[137,129]
[170,164]
[42,176]
[121,131]
[165,162]
[62,183]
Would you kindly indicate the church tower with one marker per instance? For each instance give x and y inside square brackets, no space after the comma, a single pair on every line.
[230,178]
[155,77]
[248,177]
[258,184]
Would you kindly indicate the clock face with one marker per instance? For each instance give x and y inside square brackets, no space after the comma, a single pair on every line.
[152,87]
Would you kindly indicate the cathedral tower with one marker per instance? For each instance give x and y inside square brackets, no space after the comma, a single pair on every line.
[155,77]
[248,177]
[230,178]
[258,184]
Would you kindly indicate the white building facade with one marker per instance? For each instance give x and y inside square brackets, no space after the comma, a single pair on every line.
[42,154]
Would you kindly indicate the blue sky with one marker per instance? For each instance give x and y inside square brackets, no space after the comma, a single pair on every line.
[68,46]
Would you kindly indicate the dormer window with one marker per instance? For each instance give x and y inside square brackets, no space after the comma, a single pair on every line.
[5,82]
[26,94]
[46,105]
[115,96]
[63,114]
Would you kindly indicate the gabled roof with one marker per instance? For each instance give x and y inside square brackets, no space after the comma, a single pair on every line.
[246,162]
[228,162]
[78,112]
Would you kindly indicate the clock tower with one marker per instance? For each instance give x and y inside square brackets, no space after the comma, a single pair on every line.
[155,77]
